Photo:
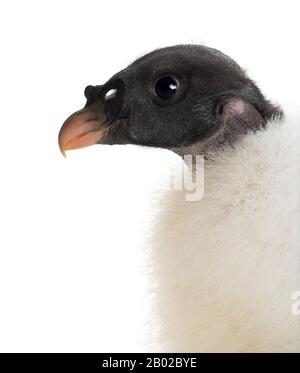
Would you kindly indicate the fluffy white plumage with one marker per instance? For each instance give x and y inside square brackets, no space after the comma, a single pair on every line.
[225,268]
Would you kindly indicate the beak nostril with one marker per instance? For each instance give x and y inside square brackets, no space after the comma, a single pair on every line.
[88,90]
[110,94]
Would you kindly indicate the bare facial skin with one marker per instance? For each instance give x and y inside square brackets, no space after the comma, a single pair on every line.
[187,98]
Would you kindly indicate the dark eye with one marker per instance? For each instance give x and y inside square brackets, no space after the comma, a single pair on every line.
[166,87]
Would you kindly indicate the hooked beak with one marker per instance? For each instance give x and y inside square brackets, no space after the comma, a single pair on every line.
[83,128]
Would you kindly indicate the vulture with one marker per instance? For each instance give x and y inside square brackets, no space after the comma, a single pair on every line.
[226,266]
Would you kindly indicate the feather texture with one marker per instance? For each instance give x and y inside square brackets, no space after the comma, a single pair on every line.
[225,267]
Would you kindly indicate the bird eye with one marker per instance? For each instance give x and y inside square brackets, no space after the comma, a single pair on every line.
[166,87]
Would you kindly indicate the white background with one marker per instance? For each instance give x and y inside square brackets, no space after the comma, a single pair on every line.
[72,231]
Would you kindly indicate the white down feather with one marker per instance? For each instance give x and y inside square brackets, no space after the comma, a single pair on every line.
[225,268]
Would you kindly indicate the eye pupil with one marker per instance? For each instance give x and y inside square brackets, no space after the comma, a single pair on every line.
[166,87]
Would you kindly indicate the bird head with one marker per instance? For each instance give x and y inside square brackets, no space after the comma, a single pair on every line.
[185,98]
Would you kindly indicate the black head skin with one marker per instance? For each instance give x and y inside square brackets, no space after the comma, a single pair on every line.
[187,98]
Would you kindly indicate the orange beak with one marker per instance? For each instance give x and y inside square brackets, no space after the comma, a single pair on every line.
[83,128]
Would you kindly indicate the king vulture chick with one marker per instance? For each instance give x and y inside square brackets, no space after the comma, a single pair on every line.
[226,266]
